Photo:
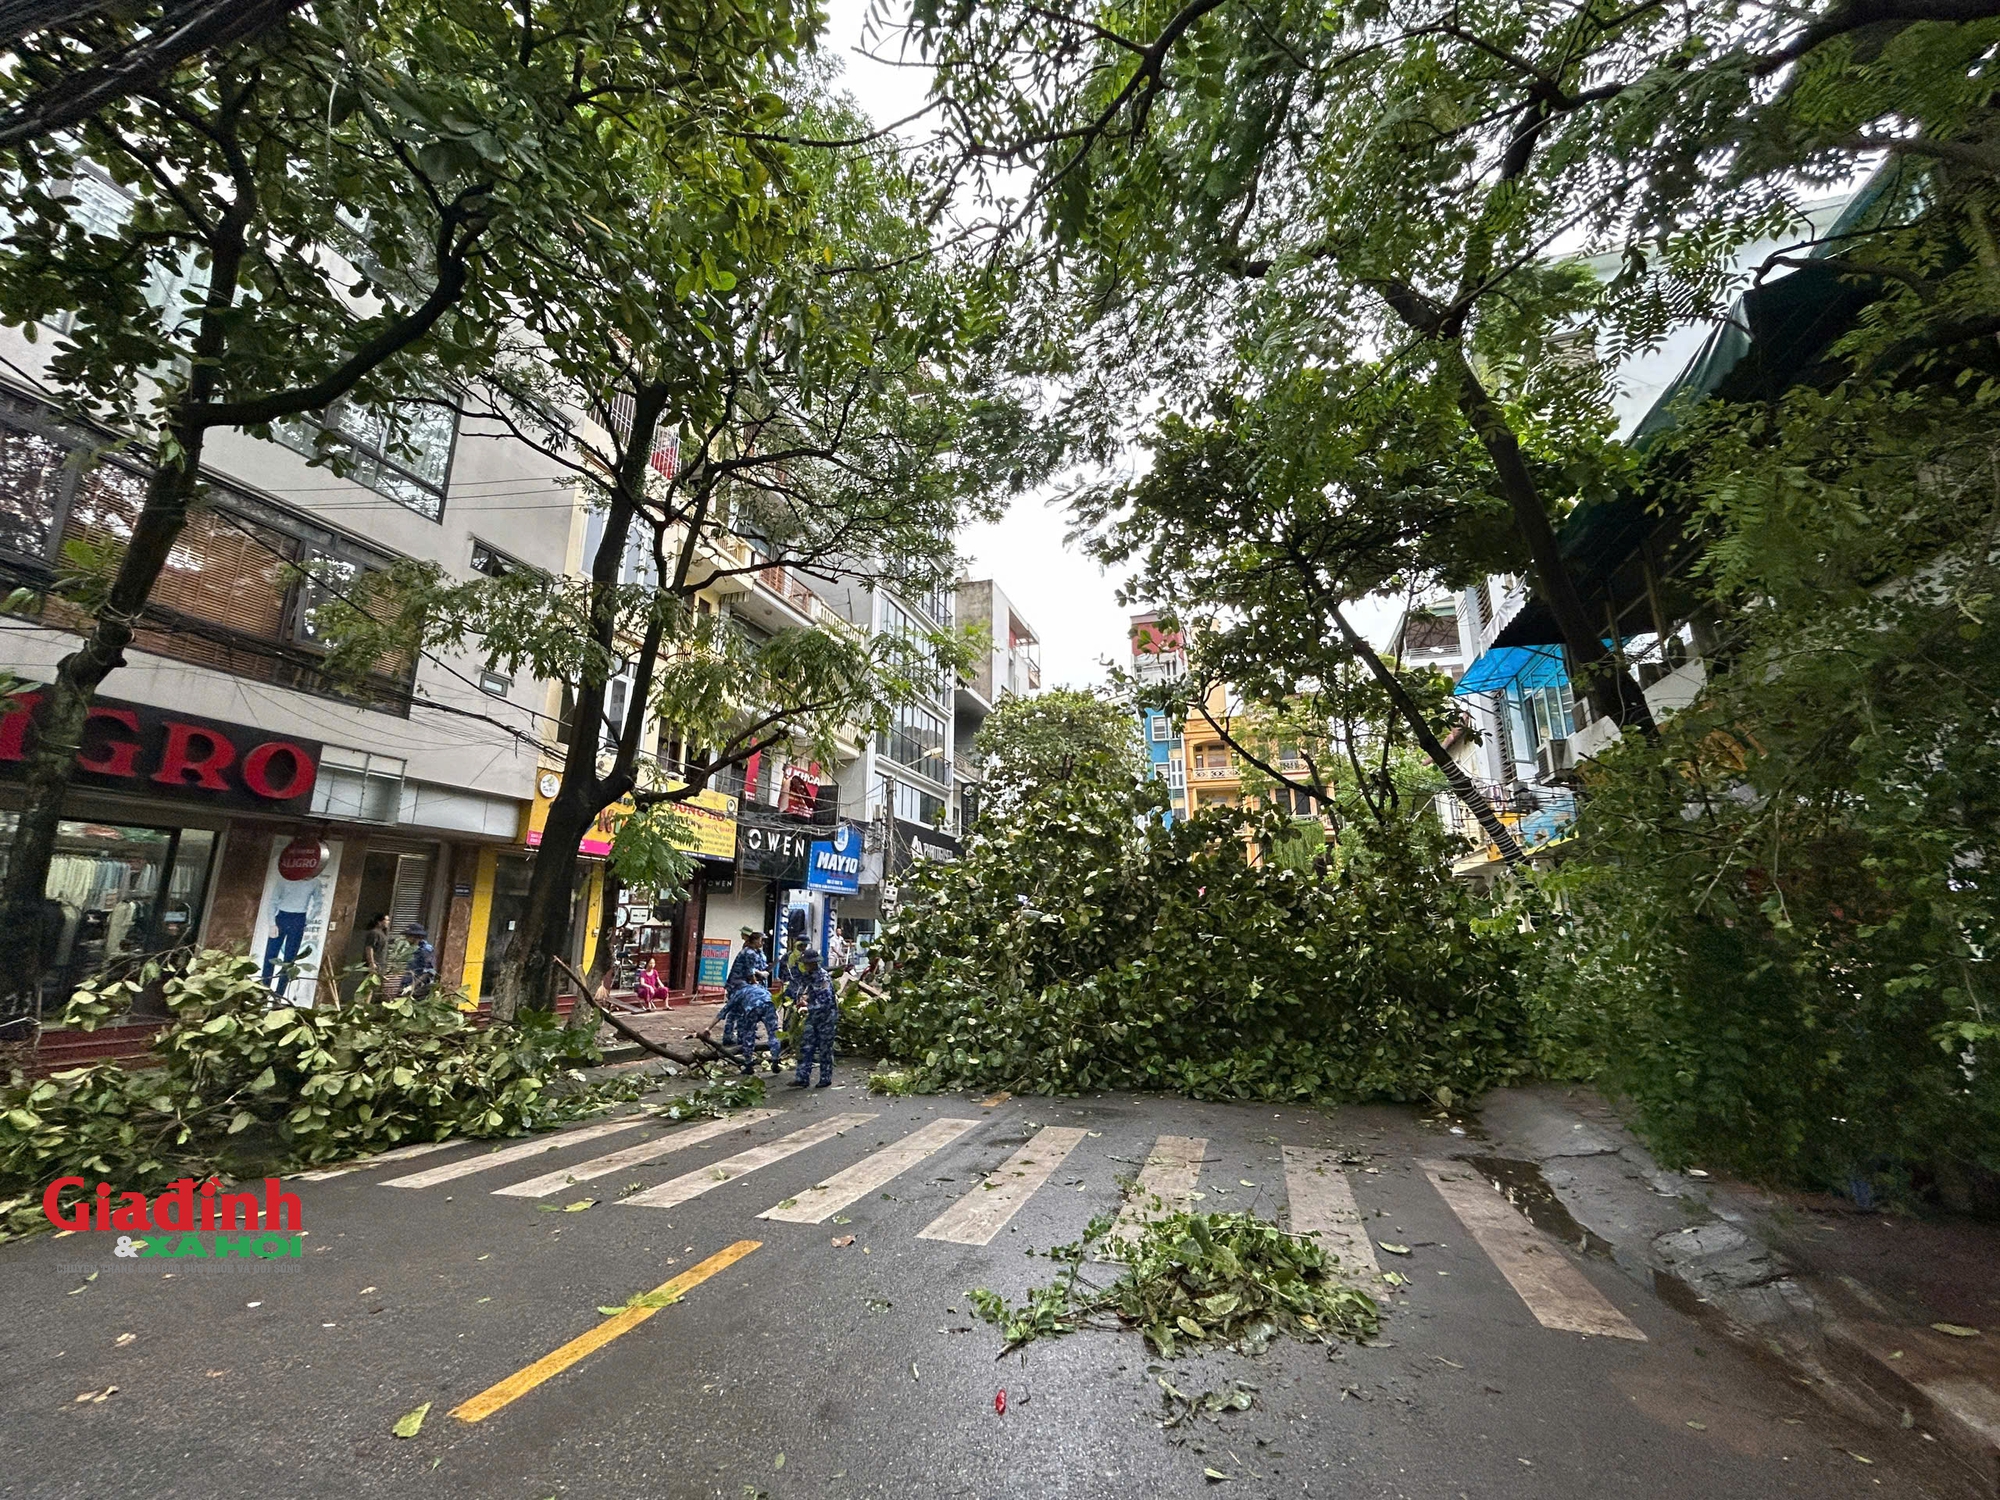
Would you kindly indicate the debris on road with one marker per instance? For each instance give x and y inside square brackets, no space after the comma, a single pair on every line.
[411,1423]
[1198,1279]
[97,1398]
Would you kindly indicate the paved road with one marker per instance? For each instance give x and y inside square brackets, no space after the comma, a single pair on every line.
[861,1364]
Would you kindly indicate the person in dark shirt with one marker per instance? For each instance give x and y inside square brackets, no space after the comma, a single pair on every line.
[375,947]
[822,1007]
[750,968]
[757,1010]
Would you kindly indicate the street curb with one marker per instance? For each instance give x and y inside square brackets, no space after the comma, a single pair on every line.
[1938,1401]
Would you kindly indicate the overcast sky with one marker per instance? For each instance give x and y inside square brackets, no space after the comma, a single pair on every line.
[1069,601]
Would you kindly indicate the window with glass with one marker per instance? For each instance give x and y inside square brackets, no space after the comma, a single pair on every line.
[915,805]
[404,453]
[924,665]
[240,590]
[915,739]
[1160,728]
[116,894]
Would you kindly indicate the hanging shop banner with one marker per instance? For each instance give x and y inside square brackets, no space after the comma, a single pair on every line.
[774,850]
[834,865]
[711,817]
[134,747]
[294,920]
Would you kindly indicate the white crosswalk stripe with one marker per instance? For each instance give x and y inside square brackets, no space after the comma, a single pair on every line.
[1322,1203]
[1557,1293]
[453,1170]
[868,1174]
[984,1212]
[694,1184]
[401,1153]
[632,1156]
[1171,1173]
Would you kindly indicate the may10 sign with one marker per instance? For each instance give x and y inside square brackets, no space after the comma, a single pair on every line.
[834,865]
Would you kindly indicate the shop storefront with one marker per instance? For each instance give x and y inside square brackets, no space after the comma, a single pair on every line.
[660,936]
[154,799]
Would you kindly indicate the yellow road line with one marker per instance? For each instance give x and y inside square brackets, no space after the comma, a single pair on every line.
[521,1382]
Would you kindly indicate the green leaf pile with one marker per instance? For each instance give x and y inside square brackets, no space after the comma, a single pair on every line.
[1192,1280]
[1085,942]
[241,1084]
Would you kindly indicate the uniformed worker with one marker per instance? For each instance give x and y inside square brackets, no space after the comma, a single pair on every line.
[750,967]
[822,1009]
[755,1009]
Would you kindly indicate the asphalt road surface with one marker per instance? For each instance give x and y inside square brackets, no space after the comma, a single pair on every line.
[806,1368]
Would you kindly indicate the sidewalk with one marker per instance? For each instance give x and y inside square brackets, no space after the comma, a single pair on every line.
[1845,1299]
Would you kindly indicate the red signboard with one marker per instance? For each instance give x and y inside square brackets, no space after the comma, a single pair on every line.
[301,859]
[138,748]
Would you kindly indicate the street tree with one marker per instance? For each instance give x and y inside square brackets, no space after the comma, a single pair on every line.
[338,208]
[1029,745]
[1319,183]
[1264,521]
[805,389]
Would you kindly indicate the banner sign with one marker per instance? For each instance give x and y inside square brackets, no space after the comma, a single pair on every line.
[134,747]
[834,865]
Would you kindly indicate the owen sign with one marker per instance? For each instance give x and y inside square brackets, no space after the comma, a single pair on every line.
[132,747]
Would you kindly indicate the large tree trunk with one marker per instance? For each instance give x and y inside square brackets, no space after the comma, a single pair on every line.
[552,888]
[51,763]
[1614,693]
[1462,786]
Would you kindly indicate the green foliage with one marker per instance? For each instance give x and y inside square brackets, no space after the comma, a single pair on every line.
[1195,1280]
[1086,944]
[1032,744]
[240,1080]
[1782,916]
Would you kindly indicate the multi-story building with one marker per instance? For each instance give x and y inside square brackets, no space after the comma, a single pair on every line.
[1008,664]
[228,792]
[1625,556]
[1157,657]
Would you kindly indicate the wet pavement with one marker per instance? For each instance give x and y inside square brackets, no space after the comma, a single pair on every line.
[811,1368]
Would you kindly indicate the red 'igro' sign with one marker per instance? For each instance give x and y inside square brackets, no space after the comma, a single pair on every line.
[137,748]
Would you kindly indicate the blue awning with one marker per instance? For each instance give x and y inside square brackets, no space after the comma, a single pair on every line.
[1520,667]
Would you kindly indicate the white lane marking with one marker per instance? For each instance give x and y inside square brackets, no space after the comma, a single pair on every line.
[868,1174]
[631,1156]
[401,1153]
[512,1154]
[1557,1293]
[984,1212]
[1322,1202]
[694,1184]
[1172,1169]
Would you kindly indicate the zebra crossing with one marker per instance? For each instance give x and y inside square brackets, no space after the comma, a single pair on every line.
[1318,1191]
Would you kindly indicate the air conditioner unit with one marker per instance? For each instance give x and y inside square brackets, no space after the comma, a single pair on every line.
[1553,756]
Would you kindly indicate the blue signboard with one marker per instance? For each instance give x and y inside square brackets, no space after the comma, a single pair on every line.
[834,865]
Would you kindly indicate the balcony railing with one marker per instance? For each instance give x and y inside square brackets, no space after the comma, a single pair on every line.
[1212,773]
[1536,815]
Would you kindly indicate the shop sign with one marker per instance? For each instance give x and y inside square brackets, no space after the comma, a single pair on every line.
[714,970]
[596,841]
[915,841]
[710,816]
[138,748]
[834,865]
[775,851]
[301,859]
